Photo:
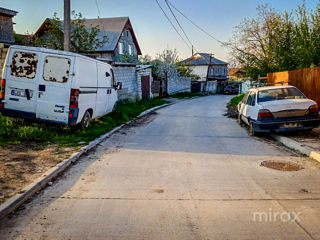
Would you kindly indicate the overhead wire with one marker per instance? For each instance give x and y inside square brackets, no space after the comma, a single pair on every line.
[99,14]
[176,30]
[180,26]
[196,25]
[224,44]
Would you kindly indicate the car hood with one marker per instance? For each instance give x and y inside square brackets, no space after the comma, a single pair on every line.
[287,104]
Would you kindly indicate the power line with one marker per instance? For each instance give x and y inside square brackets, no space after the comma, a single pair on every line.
[204,31]
[167,17]
[166,1]
[98,8]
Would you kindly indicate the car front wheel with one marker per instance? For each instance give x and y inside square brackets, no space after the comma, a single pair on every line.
[240,122]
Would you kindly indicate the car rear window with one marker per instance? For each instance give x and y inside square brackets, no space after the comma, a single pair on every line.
[279,94]
[24,65]
[56,69]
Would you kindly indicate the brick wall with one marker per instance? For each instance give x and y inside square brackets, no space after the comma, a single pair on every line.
[127,76]
[3,55]
[179,84]
[6,30]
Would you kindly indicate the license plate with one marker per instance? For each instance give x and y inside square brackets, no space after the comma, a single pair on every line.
[290,125]
[21,93]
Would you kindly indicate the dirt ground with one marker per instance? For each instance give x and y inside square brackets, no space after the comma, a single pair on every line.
[21,164]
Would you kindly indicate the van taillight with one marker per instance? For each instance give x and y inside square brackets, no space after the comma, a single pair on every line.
[74,97]
[265,113]
[3,88]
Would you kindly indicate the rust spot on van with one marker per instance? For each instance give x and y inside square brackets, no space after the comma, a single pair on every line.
[24,65]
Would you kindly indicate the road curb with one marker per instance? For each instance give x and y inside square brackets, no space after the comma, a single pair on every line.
[17,200]
[292,144]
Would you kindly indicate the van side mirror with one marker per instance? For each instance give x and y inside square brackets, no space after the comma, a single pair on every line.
[118,86]
[108,74]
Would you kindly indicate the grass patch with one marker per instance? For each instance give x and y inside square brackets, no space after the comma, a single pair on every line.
[235,100]
[15,131]
[232,110]
[182,95]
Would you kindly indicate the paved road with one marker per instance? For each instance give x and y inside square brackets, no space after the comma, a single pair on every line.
[186,172]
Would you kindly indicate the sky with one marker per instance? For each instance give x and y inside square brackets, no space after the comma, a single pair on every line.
[153,31]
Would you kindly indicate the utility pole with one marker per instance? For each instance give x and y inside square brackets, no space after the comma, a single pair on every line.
[67,25]
[210,60]
[192,51]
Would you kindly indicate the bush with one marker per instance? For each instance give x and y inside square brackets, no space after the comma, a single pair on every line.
[235,100]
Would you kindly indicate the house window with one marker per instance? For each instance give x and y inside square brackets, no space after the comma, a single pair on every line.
[120,48]
[130,49]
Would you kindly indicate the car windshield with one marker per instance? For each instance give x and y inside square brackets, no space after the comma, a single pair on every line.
[279,94]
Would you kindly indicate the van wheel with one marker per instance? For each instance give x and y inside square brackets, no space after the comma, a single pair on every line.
[85,122]
[240,122]
[114,107]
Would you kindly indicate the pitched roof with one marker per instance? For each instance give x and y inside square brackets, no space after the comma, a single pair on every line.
[115,25]
[232,71]
[7,12]
[109,27]
[199,59]
[107,24]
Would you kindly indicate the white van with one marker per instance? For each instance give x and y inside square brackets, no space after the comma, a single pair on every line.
[56,86]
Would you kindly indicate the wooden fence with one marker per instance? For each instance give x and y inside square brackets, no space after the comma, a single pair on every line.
[307,80]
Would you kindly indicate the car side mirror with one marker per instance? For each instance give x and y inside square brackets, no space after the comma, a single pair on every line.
[118,86]
[108,74]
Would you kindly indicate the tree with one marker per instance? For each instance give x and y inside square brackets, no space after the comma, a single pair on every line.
[275,41]
[128,58]
[167,63]
[186,71]
[83,39]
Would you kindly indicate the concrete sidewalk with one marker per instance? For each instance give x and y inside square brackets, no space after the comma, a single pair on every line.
[306,143]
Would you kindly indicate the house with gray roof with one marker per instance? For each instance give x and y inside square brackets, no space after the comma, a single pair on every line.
[6,26]
[200,63]
[121,39]
[215,71]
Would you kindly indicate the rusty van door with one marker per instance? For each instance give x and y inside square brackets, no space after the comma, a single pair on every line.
[54,88]
[22,82]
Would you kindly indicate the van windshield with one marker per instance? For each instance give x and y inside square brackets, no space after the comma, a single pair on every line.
[279,94]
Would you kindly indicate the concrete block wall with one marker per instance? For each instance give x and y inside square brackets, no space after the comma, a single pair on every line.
[3,55]
[179,84]
[127,76]
[141,73]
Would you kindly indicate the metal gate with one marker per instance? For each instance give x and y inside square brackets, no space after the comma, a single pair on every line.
[145,87]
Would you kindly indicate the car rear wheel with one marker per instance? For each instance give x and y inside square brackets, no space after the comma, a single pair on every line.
[252,132]
[85,122]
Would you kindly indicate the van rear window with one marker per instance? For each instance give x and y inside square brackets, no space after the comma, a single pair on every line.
[24,64]
[56,69]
